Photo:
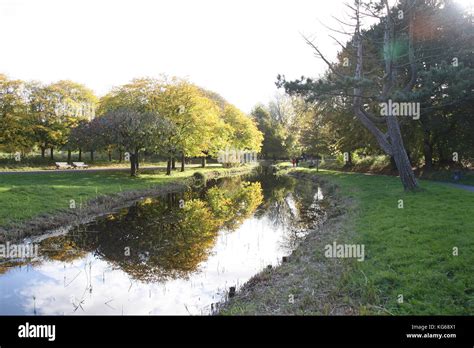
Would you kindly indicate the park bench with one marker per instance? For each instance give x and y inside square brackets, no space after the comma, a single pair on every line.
[62,165]
[79,165]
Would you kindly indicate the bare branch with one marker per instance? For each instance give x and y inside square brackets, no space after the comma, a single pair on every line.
[320,55]
[343,23]
[337,41]
[335,30]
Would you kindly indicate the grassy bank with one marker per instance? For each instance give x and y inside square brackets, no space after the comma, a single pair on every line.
[39,197]
[381,165]
[408,252]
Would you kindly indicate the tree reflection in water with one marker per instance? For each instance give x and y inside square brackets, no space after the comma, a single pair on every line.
[296,205]
[159,239]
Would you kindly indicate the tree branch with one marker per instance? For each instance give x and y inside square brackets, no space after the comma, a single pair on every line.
[320,55]
[361,114]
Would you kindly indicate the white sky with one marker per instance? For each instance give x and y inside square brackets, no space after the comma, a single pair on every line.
[233,47]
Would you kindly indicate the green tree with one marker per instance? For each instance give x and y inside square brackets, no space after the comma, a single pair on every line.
[134,131]
[397,70]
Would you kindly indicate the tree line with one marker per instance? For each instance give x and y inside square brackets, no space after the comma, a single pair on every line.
[168,116]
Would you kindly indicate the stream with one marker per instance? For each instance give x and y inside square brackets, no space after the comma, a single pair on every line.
[176,254]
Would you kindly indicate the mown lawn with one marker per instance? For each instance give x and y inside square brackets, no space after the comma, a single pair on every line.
[467,177]
[409,251]
[23,196]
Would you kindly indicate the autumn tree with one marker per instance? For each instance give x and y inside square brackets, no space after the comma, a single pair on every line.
[56,109]
[198,123]
[195,118]
[15,124]
[244,133]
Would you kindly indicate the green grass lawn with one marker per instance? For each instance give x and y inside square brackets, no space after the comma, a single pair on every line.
[409,251]
[23,196]
[467,177]
[28,166]
[438,174]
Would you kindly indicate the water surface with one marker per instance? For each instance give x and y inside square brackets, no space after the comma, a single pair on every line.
[176,254]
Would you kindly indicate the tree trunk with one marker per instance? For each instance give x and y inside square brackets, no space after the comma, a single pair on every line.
[392,142]
[110,155]
[183,160]
[120,156]
[133,167]
[173,163]
[43,149]
[443,158]
[203,162]
[427,150]
[168,166]
[92,155]
[409,158]
[52,154]
[393,164]
[400,155]
[137,160]
[80,155]
[68,156]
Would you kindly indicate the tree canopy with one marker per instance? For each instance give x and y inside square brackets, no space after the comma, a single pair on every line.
[168,116]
